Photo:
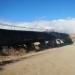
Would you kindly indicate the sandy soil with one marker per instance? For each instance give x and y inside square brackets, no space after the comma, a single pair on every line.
[58,61]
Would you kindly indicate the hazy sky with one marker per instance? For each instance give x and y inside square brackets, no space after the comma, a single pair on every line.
[29,10]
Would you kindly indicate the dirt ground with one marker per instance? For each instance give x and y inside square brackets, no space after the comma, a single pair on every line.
[57,61]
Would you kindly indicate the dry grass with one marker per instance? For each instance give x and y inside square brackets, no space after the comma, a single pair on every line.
[72,36]
[57,61]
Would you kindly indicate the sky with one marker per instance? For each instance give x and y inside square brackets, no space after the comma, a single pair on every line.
[29,10]
[39,15]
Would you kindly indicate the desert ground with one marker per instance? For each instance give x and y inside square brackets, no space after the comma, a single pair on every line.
[56,61]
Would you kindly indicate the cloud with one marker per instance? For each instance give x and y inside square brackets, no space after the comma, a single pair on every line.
[64,25]
[59,25]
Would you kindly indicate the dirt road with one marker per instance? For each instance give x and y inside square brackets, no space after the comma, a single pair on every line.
[58,61]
